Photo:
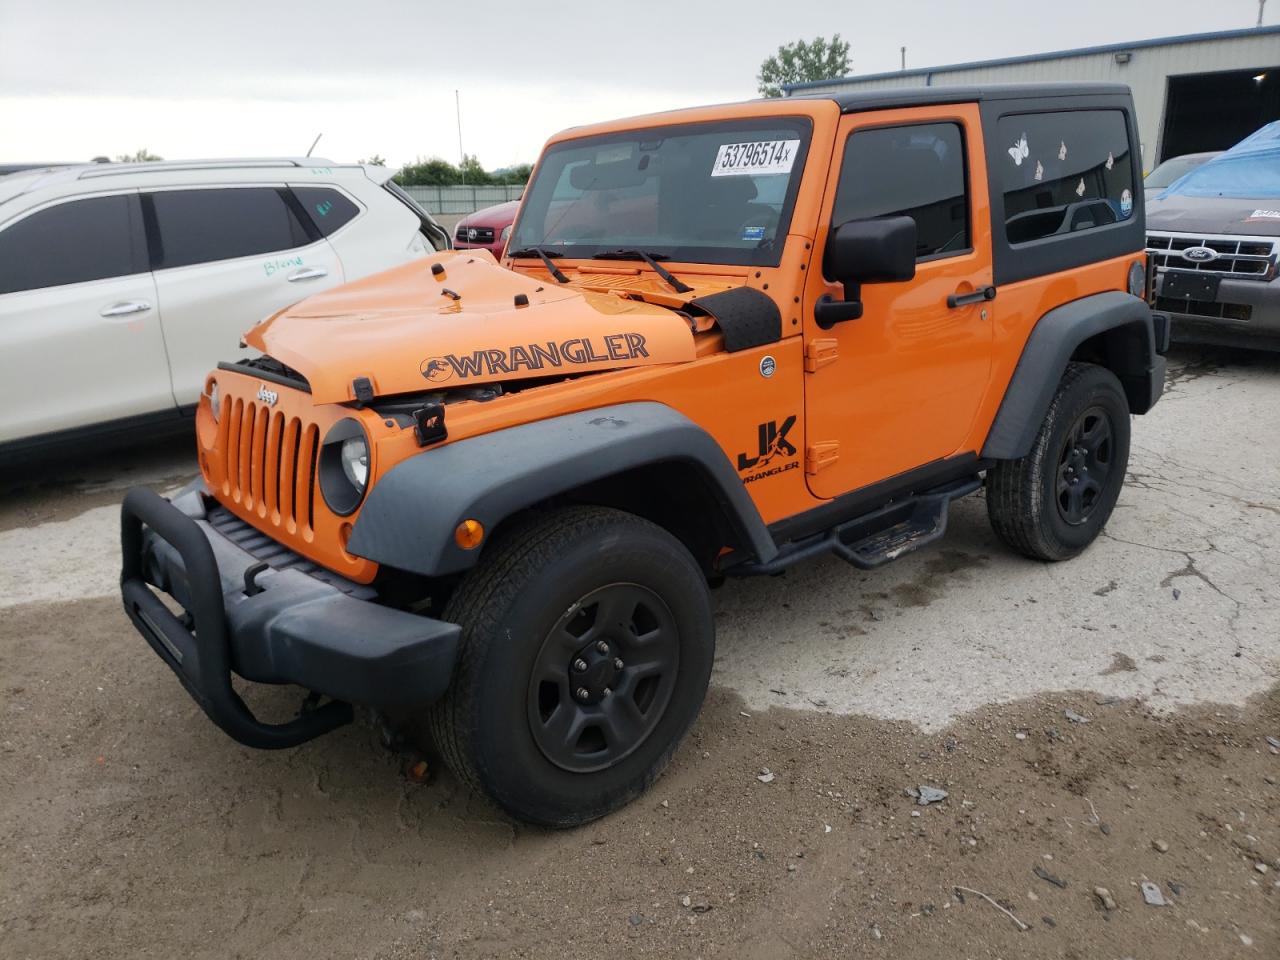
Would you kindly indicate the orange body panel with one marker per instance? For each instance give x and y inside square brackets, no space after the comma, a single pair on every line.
[909,383]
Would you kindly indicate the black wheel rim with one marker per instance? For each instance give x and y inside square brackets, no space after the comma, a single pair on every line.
[603,677]
[1084,465]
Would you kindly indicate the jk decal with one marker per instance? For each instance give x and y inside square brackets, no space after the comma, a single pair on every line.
[533,357]
[773,444]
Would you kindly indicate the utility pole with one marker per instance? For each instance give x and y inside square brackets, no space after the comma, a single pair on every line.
[1262,4]
[462,157]
[904,55]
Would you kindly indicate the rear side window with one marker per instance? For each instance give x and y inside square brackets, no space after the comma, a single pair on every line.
[1064,172]
[328,209]
[90,239]
[200,226]
[916,171]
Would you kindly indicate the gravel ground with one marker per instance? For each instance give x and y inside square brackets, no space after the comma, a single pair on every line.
[129,826]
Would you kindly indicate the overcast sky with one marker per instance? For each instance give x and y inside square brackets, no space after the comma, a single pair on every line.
[80,78]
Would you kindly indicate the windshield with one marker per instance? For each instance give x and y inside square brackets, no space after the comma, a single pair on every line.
[702,193]
[1249,170]
[1171,170]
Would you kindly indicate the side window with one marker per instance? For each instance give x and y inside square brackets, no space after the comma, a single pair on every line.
[90,239]
[1063,172]
[327,208]
[199,226]
[916,171]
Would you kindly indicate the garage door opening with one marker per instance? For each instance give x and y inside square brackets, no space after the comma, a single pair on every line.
[1214,111]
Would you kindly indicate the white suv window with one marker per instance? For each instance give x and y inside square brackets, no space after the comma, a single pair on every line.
[200,226]
[328,209]
[90,239]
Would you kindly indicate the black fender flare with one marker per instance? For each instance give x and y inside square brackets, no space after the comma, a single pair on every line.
[1130,353]
[409,516]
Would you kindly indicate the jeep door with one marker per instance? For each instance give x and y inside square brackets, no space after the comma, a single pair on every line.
[226,258]
[79,329]
[900,387]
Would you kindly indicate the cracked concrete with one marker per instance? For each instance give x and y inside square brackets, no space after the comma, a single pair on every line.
[1182,590]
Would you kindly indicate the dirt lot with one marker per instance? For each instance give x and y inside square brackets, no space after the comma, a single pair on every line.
[130,827]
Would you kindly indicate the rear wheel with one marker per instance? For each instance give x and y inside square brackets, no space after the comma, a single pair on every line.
[1054,502]
[587,642]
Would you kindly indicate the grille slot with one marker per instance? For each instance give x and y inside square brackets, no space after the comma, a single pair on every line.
[1244,258]
[270,463]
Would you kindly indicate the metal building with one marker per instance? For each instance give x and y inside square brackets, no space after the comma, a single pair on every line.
[1201,91]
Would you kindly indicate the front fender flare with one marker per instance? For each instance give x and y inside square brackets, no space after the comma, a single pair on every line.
[408,518]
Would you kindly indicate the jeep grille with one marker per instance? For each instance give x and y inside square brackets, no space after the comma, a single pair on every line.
[269,463]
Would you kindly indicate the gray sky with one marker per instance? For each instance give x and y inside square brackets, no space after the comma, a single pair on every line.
[80,78]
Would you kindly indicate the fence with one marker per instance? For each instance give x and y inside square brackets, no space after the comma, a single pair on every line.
[463,200]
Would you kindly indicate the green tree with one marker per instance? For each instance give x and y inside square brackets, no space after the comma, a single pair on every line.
[142,156]
[518,174]
[800,62]
[435,172]
[474,175]
[377,160]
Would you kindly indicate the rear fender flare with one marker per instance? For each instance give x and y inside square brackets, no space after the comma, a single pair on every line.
[409,516]
[1130,353]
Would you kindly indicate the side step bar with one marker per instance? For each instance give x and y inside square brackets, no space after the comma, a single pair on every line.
[873,539]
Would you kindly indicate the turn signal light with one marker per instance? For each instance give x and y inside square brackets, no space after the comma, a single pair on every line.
[468,534]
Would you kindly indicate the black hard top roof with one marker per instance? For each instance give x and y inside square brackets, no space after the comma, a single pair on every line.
[855,101]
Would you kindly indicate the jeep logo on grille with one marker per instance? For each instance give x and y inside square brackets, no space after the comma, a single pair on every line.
[269,397]
[1199,254]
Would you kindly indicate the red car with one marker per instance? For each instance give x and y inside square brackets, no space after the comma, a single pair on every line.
[487,228]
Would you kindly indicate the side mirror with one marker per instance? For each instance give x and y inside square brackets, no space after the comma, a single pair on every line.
[879,250]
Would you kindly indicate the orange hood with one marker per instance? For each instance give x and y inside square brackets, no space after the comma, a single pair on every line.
[405,331]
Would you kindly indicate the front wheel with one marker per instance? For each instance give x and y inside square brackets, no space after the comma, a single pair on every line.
[587,643]
[1054,502]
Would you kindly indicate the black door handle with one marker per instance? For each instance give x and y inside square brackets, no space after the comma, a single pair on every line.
[981,295]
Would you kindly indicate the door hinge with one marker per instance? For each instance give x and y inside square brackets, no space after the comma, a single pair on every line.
[820,351]
[822,453]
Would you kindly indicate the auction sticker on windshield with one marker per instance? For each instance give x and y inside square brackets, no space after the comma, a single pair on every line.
[759,157]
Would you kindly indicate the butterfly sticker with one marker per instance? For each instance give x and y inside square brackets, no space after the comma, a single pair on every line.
[1062,151]
[1020,151]
[1039,174]
[1111,160]
[1080,188]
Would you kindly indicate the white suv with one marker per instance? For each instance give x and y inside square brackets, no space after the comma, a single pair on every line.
[122,285]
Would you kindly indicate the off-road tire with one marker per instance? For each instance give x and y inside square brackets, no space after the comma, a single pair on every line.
[1022,494]
[510,605]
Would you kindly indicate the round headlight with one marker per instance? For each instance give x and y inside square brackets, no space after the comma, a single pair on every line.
[355,462]
[215,400]
[344,467]
[506,232]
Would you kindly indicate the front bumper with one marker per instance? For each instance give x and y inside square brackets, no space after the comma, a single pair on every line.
[1244,313]
[267,625]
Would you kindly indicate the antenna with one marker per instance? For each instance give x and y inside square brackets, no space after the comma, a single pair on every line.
[462,157]
[314,142]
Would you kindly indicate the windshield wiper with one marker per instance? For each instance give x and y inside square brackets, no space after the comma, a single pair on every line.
[545,257]
[651,260]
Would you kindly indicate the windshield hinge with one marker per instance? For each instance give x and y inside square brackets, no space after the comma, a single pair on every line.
[819,352]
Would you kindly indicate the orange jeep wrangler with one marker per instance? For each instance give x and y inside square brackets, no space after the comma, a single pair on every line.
[494,496]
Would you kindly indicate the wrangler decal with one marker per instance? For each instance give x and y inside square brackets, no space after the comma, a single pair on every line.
[535,357]
[773,443]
